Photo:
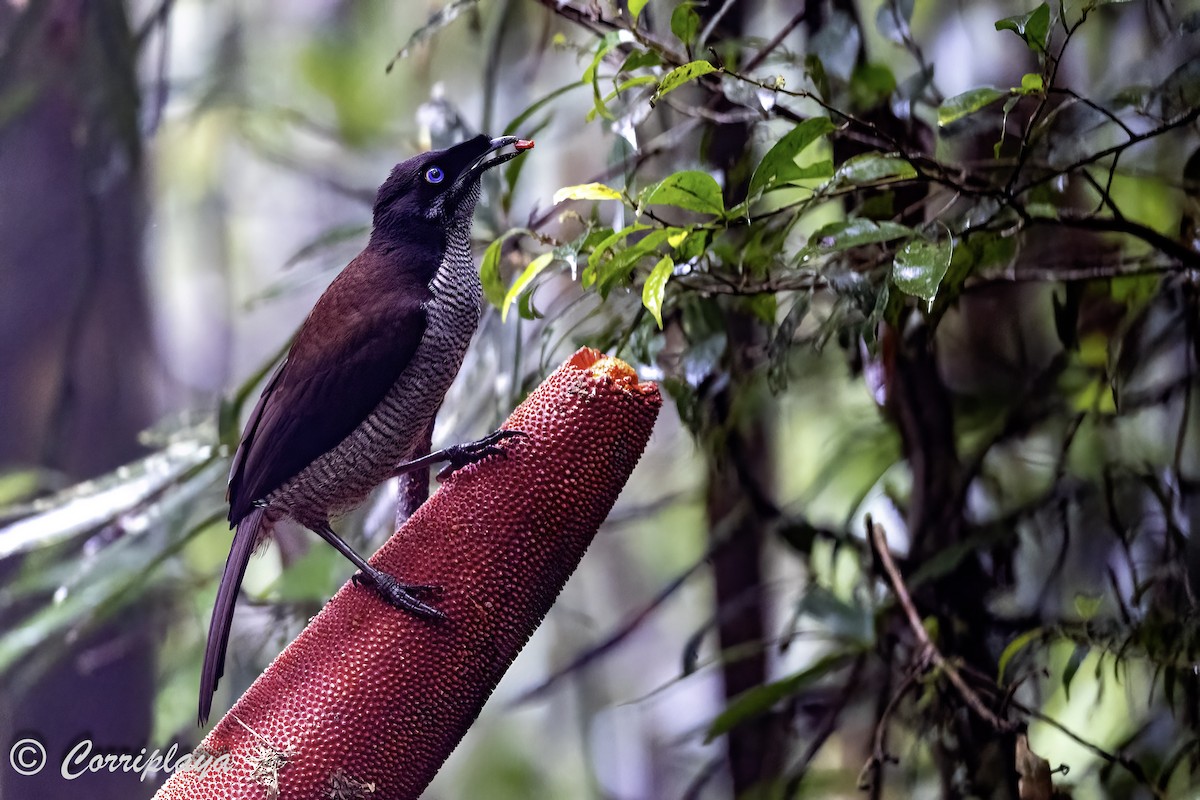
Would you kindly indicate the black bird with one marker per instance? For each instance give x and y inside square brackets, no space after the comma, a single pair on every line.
[353,402]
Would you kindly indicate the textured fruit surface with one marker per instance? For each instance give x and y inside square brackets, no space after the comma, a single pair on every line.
[369,701]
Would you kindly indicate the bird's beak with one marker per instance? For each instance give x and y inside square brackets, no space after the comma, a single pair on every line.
[496,154]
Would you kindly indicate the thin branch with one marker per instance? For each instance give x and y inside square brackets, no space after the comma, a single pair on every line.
[930,652]
[774,42]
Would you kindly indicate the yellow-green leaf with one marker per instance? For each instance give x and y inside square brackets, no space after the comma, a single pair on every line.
[681,75]
[656,286]
[586,191]
[523,280]
[636,6]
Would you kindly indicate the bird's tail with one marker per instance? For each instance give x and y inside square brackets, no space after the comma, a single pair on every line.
[250,530]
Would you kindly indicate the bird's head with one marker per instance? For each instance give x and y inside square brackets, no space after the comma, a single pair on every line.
[442,186]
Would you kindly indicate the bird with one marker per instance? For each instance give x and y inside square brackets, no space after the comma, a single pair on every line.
[353,401]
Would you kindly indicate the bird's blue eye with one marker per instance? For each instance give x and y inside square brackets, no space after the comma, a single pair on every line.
[434,175]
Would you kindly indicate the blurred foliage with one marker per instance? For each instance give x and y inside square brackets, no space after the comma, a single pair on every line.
[970,317]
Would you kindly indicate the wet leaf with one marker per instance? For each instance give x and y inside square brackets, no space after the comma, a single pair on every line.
[843,235]
[1033,28]
[962,105]
[919,267]
[875,168]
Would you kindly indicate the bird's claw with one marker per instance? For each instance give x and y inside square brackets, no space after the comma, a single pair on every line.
[404,596]
[461,455]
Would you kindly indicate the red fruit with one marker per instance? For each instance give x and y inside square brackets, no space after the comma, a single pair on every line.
[369,701]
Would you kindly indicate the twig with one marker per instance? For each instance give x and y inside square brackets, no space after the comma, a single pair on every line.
[930,652]
[775,41]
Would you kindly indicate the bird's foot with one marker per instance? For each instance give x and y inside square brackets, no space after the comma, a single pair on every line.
[405,596]
[460,455]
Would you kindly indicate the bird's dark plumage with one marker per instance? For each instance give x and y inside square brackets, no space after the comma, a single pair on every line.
[366,373]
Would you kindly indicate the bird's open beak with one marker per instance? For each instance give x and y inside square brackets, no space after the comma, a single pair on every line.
[498,153]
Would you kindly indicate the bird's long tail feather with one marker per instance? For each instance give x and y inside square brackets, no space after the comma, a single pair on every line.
[249,531]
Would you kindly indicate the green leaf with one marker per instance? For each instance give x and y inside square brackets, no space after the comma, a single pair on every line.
[691,189]
[1088,605]
[586,191]
[640,80]
[685,22]
[655,287]
[1015,646]
[870,85]
[636,6]
[1032,83]
[591,74]
[843,235]
[1033,28]
[920,266]
[681,75]
[523,280]
[875,168]
[759,700]
[781,158]
[511,128]
[602,248]
[489,268]
[617,268]
[961,105]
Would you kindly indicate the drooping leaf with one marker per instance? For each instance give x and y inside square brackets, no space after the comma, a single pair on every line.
[586,191]
[640,80]
[530,272]
[961,105]
[759,700]
[1033,28]
[489,268]
[511,128]
[685,22]
[845,234]
[919,267]
[655,287]
[691,189]
[601,249]
[617,269]
[1014,647]
[681,75]
[781,158]
[875,168]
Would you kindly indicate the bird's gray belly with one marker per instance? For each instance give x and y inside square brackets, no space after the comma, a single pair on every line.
[342,478]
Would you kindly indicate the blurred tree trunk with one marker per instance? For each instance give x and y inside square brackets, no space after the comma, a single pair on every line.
[739,459]
[76,343]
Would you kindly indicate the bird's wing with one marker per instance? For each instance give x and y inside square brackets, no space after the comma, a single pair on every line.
[352,348]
